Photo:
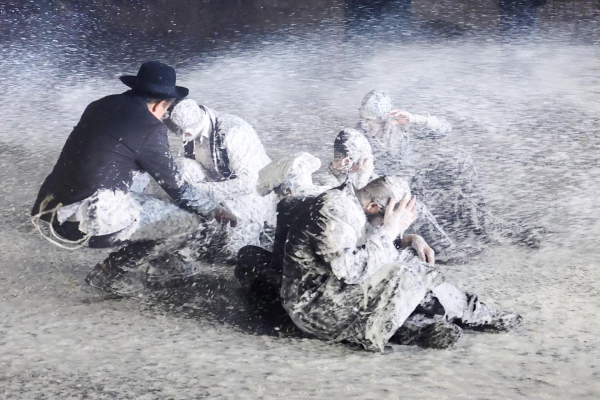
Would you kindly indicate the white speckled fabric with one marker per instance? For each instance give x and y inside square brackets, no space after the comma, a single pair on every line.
[339,283]
[294,171]
[241,154]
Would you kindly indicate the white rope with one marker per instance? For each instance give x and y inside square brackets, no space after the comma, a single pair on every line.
[35,220]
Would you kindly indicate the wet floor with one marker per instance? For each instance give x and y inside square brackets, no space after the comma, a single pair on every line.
[520,87]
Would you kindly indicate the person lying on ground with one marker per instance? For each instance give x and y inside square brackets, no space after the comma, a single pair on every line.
[92,196]
[223,157]
[444,177]
[344,280]
[260,269]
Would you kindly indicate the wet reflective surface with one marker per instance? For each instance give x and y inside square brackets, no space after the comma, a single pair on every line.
[518,81]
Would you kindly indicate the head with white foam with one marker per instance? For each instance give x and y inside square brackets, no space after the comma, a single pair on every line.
[191,120]
[352,158]
[376,105]
[375,197]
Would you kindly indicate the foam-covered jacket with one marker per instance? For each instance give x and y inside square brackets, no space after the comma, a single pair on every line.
[340,283]
[224,169]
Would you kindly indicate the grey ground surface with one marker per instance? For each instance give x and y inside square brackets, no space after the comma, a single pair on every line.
[529,114]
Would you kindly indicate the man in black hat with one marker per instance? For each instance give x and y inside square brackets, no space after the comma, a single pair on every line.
[93,193]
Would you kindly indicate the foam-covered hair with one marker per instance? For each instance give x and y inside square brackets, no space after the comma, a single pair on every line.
[352,144]
[385,187]
[376,105]
[193,119]
[294,170]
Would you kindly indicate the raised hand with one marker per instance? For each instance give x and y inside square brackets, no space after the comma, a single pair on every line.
[399,215]
[399,117]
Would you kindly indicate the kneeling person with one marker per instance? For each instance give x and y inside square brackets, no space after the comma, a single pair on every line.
[90,197]
[223,157]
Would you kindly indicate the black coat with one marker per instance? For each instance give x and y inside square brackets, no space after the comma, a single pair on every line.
[115,136]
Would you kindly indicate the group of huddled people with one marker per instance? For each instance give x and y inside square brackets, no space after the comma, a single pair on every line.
[348,252]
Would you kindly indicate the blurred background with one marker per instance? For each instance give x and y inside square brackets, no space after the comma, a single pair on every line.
[519,80]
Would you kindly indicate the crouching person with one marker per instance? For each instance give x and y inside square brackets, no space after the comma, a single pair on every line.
[223,157]
[341,284]
[93,194]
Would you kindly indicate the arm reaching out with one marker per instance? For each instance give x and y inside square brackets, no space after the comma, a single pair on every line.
[155,158]
[439,126]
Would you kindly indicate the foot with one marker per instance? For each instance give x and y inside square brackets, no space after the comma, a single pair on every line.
[481,317]
[170,270]
[428,333]
[112,280]
[500,322]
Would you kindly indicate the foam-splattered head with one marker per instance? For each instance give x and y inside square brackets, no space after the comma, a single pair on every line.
[192,120]
[352,144]
[376,105]
[382,189]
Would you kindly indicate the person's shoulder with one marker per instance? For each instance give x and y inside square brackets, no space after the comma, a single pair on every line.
[112,103]
[335,198]
[295,203]
[230,124]
[115,98]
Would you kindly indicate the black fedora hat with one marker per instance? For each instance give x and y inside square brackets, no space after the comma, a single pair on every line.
[156,79]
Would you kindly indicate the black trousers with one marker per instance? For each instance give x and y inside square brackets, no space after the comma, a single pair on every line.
[255,266]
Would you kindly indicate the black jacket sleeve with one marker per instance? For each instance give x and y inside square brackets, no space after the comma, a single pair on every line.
[155,158]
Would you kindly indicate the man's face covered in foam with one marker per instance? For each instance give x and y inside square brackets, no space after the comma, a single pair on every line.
[360,173]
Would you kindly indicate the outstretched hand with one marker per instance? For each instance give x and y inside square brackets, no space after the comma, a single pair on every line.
[400,215]
[399,117]
[224,216]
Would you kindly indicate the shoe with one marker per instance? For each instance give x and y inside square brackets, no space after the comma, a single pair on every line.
[170,270]
[481,317]
[427,333]
[500,322]
[440,335]
[112,280]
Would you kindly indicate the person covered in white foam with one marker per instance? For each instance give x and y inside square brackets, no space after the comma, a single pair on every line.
[442,175]
[223,157]
[344,279]
[352,161]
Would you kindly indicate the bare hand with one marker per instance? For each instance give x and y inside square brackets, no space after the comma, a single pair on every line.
[399,117]
[400,215]
[425,253]
[224,216]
